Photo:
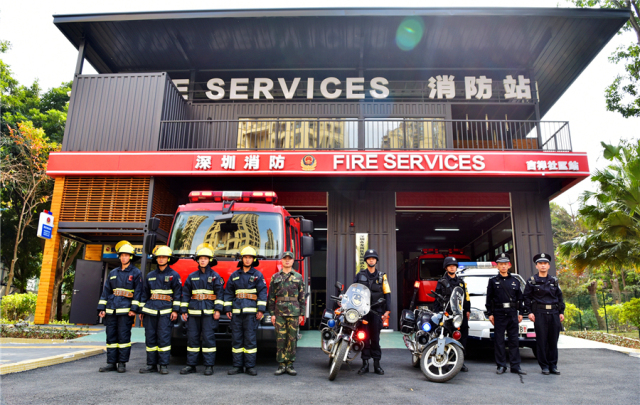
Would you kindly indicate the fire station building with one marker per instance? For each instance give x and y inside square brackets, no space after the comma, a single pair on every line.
[393,129]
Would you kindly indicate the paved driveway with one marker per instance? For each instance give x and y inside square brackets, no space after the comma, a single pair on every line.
[588,376]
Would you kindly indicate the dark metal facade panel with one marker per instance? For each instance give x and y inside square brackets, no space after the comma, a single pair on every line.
[120,112]
[372,213]
[532,230]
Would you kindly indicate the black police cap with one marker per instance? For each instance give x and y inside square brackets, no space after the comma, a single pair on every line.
[542,257]
[503,258]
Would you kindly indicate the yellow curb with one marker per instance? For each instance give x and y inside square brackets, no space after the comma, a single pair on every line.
[24,340]
[48,361]
[52,347]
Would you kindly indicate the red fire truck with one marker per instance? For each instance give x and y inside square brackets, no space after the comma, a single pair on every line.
[229,221]
[427,269]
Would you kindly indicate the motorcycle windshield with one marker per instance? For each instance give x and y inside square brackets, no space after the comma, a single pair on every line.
[357,297]
[456,301]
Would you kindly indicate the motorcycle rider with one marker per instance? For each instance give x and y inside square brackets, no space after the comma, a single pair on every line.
[445,287]
[245,301]
[118,305]
[159,307]
[378,284]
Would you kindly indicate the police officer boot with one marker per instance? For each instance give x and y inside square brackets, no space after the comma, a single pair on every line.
[108,367]
[236,370]
[464,368]
[188,370]
[149,369]
[122,367]
[376,367]
[208,370]
[291,370]
[365,367]
[251,371]
[164,370]
[281,369]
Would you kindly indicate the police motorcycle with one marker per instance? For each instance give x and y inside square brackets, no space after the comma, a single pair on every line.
[342,333]
[432,337]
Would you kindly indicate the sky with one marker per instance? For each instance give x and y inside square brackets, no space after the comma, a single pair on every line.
[40,51]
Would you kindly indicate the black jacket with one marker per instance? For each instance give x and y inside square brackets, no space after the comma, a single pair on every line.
[375,282]
[445,287]
[496,293]
[543,291]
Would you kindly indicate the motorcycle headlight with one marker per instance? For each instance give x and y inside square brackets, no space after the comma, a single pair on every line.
[477,315]
[457,321]
[351,316]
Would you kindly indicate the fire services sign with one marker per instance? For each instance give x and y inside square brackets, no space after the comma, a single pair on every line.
[45,225]
[309,163]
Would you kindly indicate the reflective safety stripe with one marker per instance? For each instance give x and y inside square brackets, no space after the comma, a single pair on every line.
[202,292]
[208,349]
[142,304]
[195,312]
[166,311]
[184,304]
[236,311]
[220,302]
[240,350]
[109,311]
[123,345]
[249,309]
[208,311]
[262,303]
[112,346]
[249,351]
[227,303]
[177,303]
[122,310]
[102,302]
[152,349]
[134,302]
[122,289]
[193,349]
[164,349]
[161,291]
[251,291]
[150,311]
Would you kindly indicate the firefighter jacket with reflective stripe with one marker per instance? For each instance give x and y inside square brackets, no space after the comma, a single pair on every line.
[125,282]
[252,282]
[165,282]
[202,282]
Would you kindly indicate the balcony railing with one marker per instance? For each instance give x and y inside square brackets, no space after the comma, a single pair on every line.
[364,134]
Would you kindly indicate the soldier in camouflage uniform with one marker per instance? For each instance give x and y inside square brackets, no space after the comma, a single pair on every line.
[286,304]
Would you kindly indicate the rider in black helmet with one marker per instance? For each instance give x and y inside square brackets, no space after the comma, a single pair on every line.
[445,287]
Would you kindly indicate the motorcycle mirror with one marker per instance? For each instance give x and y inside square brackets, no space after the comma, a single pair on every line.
[339,285]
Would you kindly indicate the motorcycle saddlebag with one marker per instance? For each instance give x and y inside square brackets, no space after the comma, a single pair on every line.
[407,321]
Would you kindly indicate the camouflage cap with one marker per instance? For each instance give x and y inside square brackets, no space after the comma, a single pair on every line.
[290,254]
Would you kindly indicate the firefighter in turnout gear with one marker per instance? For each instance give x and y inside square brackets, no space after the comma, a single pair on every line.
[245,301]
[543,300]
[118,305]
[378,284]
[445,287]
[201,307]
[286,304]
[504,308]
[159,307]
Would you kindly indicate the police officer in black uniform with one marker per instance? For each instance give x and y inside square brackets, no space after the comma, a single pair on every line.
[159,307]
[543,300]
[378,284]
[504,300]
[245,302]
[445,287]
[201,306]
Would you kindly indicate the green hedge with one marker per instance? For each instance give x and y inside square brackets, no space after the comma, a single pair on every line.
[18,307]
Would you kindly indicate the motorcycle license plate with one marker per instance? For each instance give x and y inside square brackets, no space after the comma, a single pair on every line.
[523,329]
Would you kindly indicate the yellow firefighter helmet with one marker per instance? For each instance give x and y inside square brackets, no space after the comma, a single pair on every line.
[126,247]
[163,250]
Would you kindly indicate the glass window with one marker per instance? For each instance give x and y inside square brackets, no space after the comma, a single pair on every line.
[431,269]
[291,133]
[405,134]
[260,230]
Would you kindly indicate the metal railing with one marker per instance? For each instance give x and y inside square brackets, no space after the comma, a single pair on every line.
[364,134]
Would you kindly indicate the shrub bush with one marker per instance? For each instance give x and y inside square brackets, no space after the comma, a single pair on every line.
[18,307]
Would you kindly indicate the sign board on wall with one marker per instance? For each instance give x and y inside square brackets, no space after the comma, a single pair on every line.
[362,244]
[45,225]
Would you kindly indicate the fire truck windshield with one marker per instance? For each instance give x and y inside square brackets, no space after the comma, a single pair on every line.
[260,230]
[431,269]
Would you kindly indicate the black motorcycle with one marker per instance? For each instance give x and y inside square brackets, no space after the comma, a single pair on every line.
[432,337]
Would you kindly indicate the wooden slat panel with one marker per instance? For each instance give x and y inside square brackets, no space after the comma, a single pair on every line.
[93,252]
[164,202]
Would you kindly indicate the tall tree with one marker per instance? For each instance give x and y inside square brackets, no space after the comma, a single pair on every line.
[623,95]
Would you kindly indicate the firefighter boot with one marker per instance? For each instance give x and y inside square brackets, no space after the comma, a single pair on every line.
[251,371]
[108,367]
[188,370]
[281,369]
[122,367]
[377,368]
[235,370]
[208,370]
[365,367]
[164,370]
[149,369]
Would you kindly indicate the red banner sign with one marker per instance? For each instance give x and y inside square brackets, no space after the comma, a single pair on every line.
[310,163]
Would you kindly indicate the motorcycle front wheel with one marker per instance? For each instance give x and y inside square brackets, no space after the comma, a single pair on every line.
[338,359]
[441,368]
